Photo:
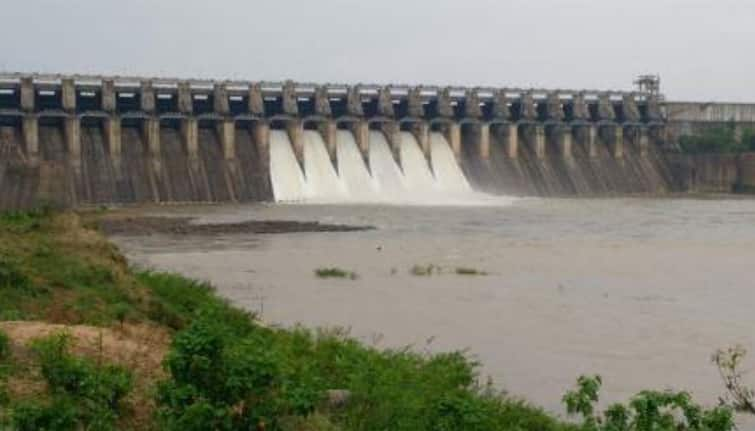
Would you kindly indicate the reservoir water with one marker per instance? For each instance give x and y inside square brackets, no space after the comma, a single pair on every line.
[641,291]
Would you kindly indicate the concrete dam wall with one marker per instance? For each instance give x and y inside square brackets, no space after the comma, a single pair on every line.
[74,140]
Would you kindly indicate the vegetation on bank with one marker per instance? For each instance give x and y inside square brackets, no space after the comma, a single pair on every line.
[723,140]
[225,371]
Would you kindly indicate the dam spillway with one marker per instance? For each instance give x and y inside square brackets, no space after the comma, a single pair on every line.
[73,140]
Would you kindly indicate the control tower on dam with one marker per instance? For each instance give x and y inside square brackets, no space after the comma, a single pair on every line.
[73,140]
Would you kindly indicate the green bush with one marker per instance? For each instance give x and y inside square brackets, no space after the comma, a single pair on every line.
[4,346]
[231,379]
[59,414]
[83,393]
[646,411]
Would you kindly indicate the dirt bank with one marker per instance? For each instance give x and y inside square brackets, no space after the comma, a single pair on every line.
[140,226]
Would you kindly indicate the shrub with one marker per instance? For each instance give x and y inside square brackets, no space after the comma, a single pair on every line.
[223,381]
[33,415]
[647,411]
[89,392]
[4,346]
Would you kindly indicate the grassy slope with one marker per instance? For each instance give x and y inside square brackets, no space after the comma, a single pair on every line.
[54,269]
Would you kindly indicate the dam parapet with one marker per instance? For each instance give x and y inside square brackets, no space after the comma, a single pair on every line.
[83,139]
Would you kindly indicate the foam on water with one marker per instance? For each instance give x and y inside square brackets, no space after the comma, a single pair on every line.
[285,173]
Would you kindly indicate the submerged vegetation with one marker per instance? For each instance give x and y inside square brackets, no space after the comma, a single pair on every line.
[432,269]
[335,273]
[224,370]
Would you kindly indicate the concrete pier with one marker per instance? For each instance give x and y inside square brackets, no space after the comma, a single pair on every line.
[112,128]
[108,97]
[421,132]
[185,101]
[361,131]
[329,131]
[612,136]
[72,131]
[392,132]
[454,140]
[561,139]
[512,140]
[637,136]
[27,94]
[535,139]
[587,137]
[190,136]
[30,125]
[483,144]
[68,95]
[151,132]
[226,130]
[261,133]
[295,132]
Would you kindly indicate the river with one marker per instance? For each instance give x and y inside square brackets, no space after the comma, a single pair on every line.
[640,291]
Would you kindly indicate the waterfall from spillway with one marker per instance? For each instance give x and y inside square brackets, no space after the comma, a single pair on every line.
[448,174]
[285,173]
[416,168]
[386,172]
[322,182]
[352,169]
[405,176]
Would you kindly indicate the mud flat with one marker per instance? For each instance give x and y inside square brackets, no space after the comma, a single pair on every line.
[148,225]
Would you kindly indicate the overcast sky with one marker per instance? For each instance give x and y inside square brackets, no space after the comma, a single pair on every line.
[703,50]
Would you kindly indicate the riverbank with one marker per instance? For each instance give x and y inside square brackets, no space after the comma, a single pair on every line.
[58,274]
[221,368]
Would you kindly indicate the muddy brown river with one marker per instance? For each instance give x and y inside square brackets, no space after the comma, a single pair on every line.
[641,291]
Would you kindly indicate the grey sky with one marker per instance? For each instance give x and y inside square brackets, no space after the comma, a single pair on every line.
[703,50]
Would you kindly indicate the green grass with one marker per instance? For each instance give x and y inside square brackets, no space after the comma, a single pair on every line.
[335,273]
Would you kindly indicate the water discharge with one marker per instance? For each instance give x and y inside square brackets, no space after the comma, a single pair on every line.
[448,174]
[416,167]
[285,173]
[378,178]
[322,181]
[386,172]
[352,168]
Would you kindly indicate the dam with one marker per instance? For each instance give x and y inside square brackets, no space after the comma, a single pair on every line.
[77,140]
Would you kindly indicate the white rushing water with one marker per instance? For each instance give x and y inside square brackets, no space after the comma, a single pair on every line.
[448,174]
[322,181]
[285,173]
[352,169]
[384,169]
[417,172]
[379,179]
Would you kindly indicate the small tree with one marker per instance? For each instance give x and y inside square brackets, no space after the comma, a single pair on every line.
[646,411]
